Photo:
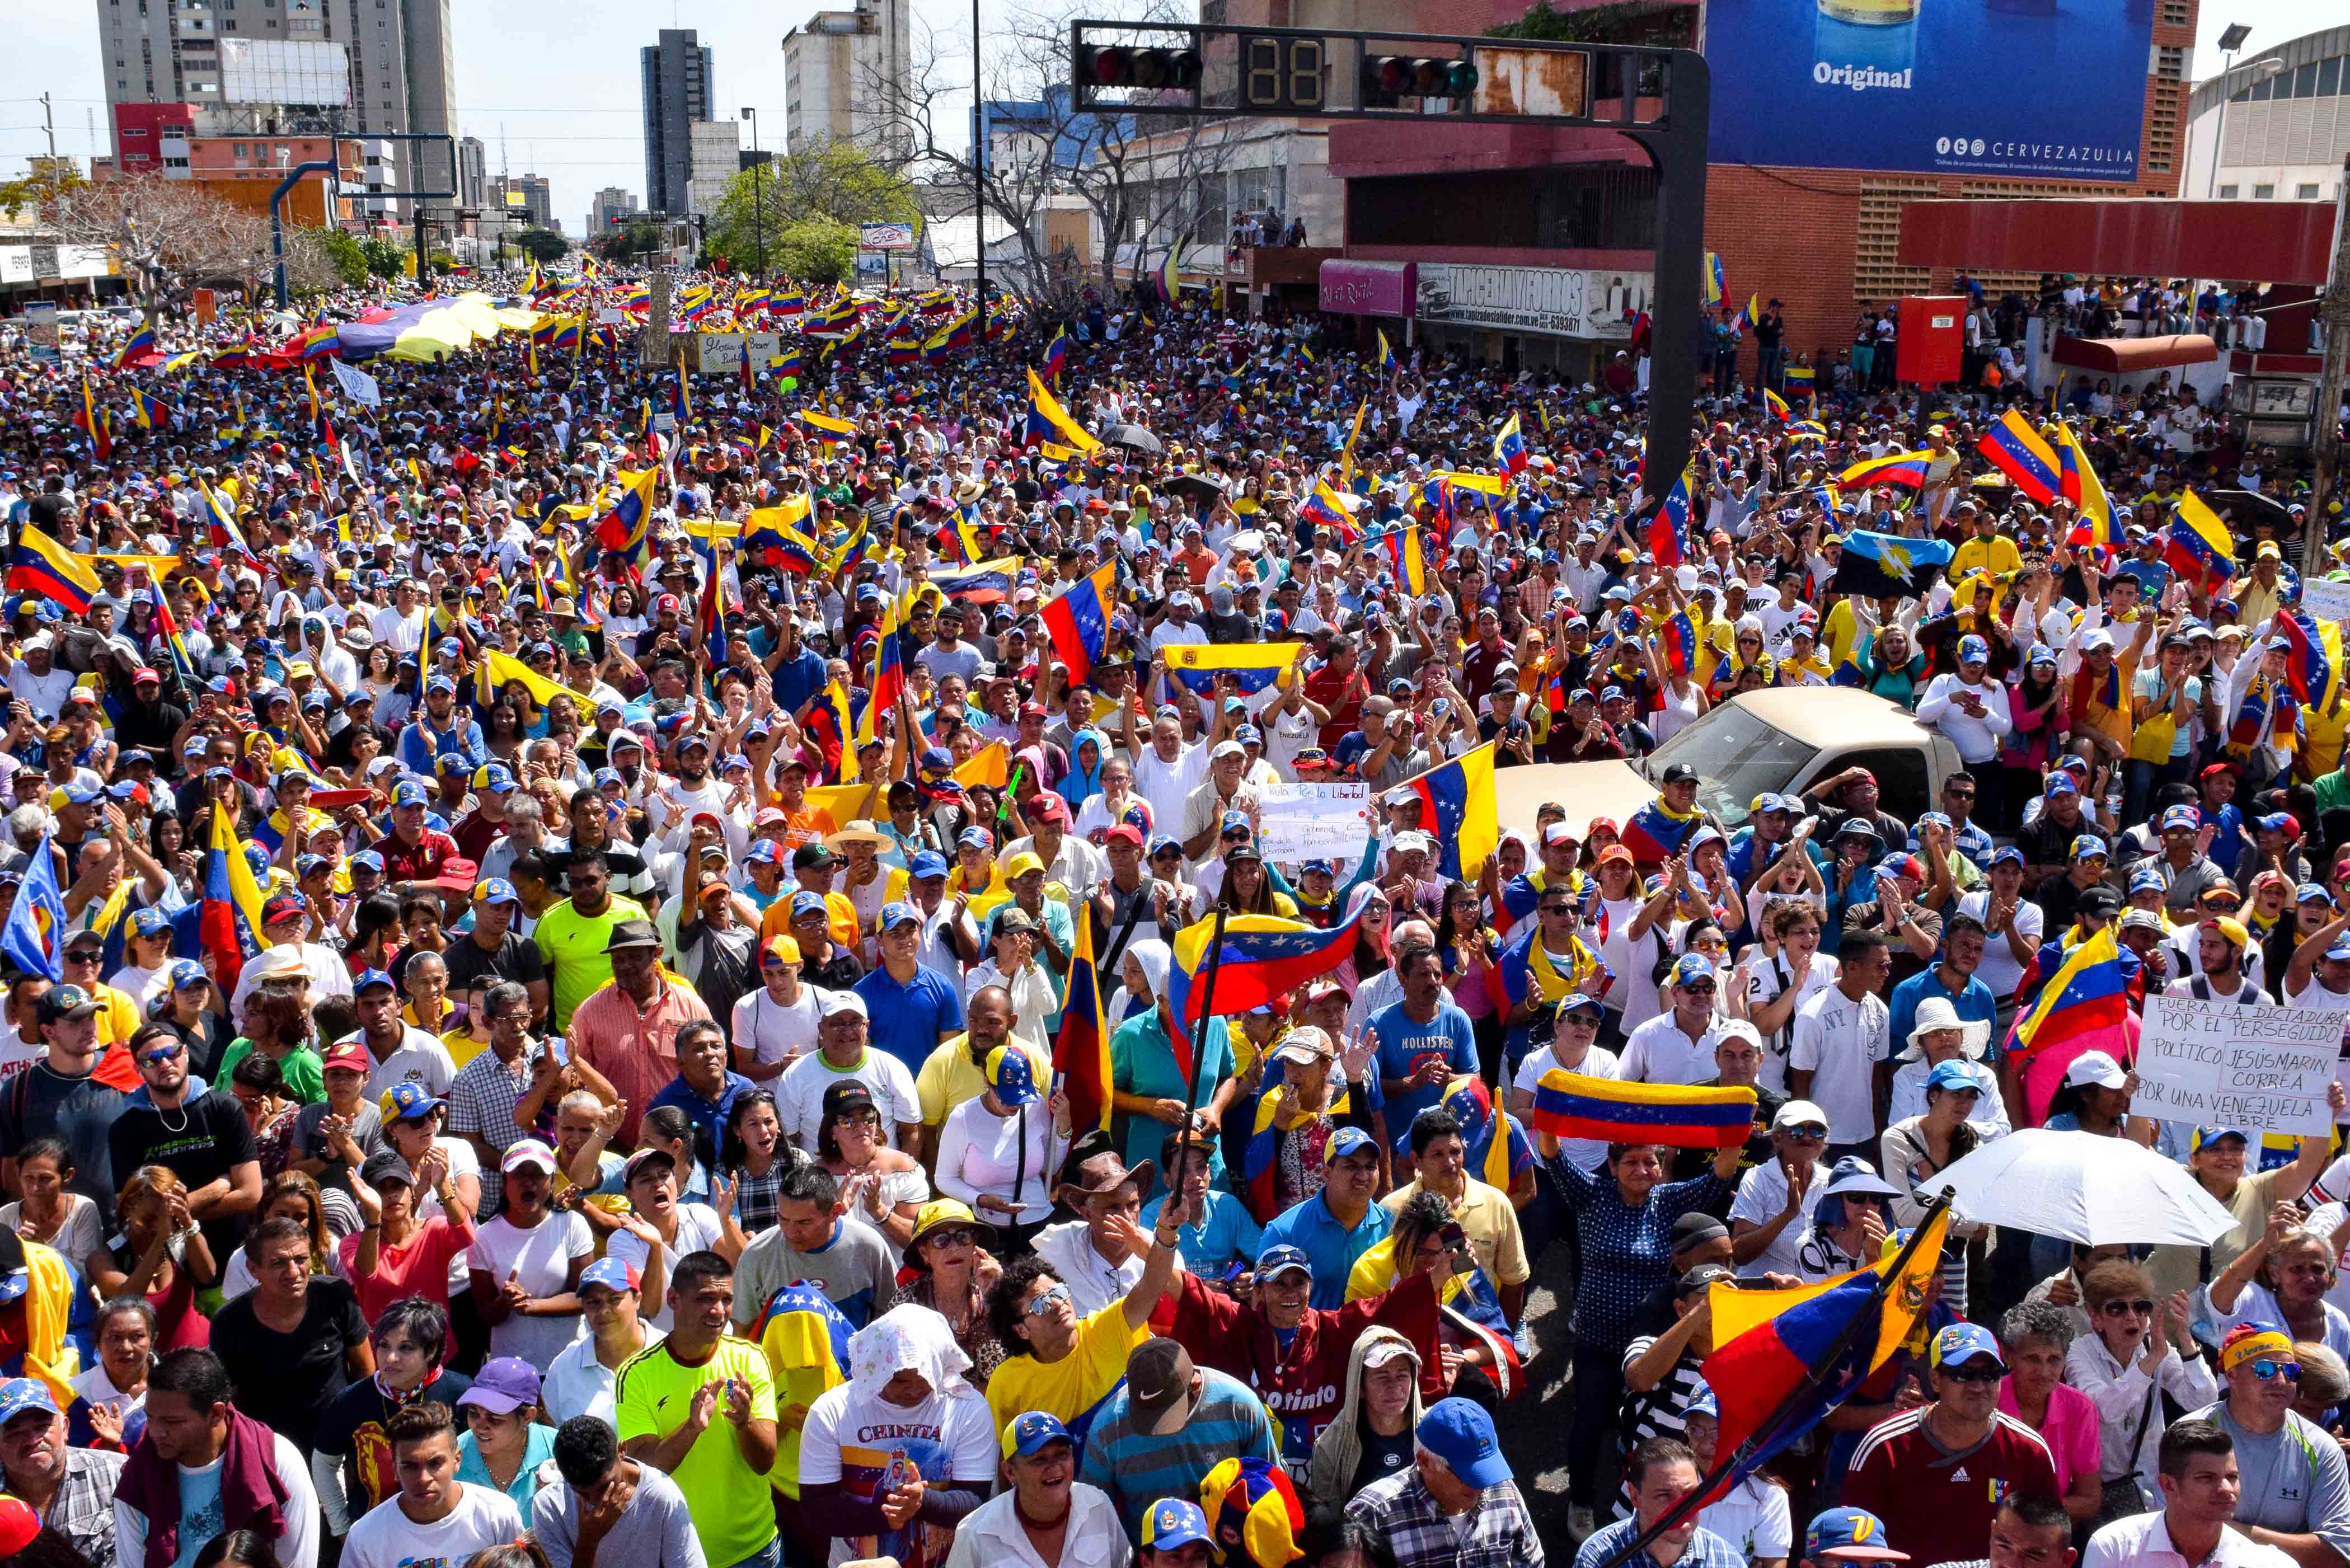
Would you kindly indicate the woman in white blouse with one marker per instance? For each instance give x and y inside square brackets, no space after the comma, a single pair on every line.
[2125,1368]
[998,1152]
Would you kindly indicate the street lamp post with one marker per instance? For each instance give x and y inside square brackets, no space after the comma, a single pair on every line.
[2231,40]
[979,177]
[758,217]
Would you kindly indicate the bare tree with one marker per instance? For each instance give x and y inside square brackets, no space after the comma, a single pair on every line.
[164,232]
[1145,181]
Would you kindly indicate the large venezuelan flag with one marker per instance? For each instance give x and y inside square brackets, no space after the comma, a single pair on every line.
[2081,486]
[1044,409]
[42,566]
[1569,1105]
[1783,1359]
[1406,556]
[622,530]
[1263,957]
[1255,665]
[2084,1007]
[2017,450]
[228,916]
[2308,664]
[1081,1049]
[1655,833]
[1894,468]
[2197,546]
[1457,806]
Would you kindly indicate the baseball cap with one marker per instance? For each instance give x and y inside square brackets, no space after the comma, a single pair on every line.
[503,1385]
[1344,1142]
[1960,1343]
[2089,846]
[2095,1067]
[1028,1432]
[407,1102]
[898,912]
[612,1273]
[1159,1386]
[1012,1077]
[350,1056]
[1952,1076]
[1280,1260]
[1171,1523]
[1850,1535]
[496,890]
[1460,1433]
[19,1395]
[63,1001]
[369,981]
[526,1153]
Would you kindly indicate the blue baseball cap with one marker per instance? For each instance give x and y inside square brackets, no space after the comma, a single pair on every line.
[1172,1524]
[2089,846]
[368,858]
[806,902]
[974,838]
[149,922]
[1459,1432]
[2206,1137]
[493,776]
[1011,1076]
[1693,968]
[187,974]
[1850,1535]
[2061,784]
[926,864]
[898,912]
[1028,1432]
[1960,1343]
[496,890]
[1951,1076]
[370,980]
[765,852]
[1973,651]
[612,1273]
[1702,1402]
[438,682]
[1347,1141]
[2182,815]
[2312,893]
[2146,878]
[1282,1258]
[409,793]
[406,1102]
[19,1395]
[2006,854]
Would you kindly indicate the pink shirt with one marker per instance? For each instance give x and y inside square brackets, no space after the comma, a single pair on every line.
[417,1267]
[2070,1431]
[635,1050]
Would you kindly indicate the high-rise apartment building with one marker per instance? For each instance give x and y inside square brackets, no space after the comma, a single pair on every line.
[472,173]
[677,92]
[527,201]
[839,68]
[717,158]
[610,208]
[250,67]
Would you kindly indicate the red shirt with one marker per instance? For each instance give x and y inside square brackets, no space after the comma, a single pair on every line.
[417,862]
[417,1267]
[1932,1498]
[1341,697]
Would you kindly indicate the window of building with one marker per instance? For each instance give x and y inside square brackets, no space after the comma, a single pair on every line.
[2305,81]
[238,150]
[2264,193]
[2329,77]
[2261,90]
[2177,14]
[2307,192]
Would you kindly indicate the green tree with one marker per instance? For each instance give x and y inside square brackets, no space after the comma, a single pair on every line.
[385,258]
[830,184]
[814,250]
[542,246]
[345,254]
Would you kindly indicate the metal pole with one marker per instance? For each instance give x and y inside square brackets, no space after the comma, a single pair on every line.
[2219,132]
[758,216]
[277,217]
[979,185]
[1207,1020]
[2334,310]
[1676,332]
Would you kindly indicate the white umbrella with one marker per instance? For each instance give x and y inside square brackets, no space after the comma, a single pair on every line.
[2083,1188]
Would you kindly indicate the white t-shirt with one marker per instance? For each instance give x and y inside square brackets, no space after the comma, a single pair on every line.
[1999,969]
[774,1031]
[384,1537]
[200,1517]
[1166,786]
[419,1058]
[1754,1518]
[540,1257]
[1839,1041]
[1586,1153]
[868,1445]
[799,1093]
[1764,984]
[698,1228]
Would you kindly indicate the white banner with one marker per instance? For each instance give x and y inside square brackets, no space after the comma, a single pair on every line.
[1315,822]
[2219,1063]
[357,384]
[2325,600]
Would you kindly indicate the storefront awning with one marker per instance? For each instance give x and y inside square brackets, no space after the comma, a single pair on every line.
[2127,356]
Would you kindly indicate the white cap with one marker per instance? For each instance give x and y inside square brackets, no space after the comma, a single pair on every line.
[1796,1112]
[836,1003]
[2096,1068]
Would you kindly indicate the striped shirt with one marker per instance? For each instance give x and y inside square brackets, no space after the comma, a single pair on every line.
[1137,1468]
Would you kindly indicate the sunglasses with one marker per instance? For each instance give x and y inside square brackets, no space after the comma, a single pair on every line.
[955,1236]
[1811,1130]
[2224,906]
[1045,1302]
[160,1053]
[2269,1371]
[1975,1372]
[2127,1309]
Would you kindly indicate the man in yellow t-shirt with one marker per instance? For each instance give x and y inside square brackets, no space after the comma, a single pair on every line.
[701,1406]
[572,938]
[955,1070]
[1069,1367]
[1986,549]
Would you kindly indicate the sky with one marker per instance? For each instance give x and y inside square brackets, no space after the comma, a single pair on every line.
[566,105]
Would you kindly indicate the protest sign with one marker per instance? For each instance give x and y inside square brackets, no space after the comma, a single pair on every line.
[2219,1063]
[1315,822]
[2325,600]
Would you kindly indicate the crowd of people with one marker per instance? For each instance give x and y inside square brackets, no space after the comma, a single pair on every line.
[547,913]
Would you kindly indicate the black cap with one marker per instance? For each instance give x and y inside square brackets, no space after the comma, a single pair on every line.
[2101,901]
[383,1166]
[1695,1229]
[1679,773]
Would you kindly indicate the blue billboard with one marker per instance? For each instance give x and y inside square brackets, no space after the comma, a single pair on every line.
[2008,89]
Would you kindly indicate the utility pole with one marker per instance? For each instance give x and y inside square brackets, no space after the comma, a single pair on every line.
[2334,310]
[979,177]
[49,124]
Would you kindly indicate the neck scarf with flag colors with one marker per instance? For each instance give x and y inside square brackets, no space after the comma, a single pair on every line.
[1782,1359]
[1528,969]
[1681,1115]
[1656,833]
[1257,1161]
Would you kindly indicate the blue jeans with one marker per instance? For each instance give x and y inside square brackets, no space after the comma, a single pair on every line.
[768,1556]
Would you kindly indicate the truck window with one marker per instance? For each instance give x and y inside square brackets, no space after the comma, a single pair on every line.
[1902,785]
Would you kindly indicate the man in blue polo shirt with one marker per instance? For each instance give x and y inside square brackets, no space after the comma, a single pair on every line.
[1339,1223]
[1952,978]
[913,1011]
[1424,1039]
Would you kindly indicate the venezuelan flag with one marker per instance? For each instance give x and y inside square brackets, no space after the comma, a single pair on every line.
[1569,1105]
[1783,1359]
[93,420]
[982,582]
[1670,526]
[2197,546]
[1407,557]
[179,361]
[1777,405]
[1387,353]
[2081,486]
[1510,446]
[142,344]
[1478,483]
[153,412]
[1498,1149]
[833,703]
[888,674]
[1655,833]
[1713,279]
[1333,509]
[2082,1007]
[787,302]
[1346,455]
[2016,450]
[1078,620]
[824,427]
[1682,635]
[1255,665]
[1047,418]
[681,398]
[2308,670]
[1257,1156]
[46,569]
[1457,806]
[228,917]
[623,528]
[1081,1047]
[1057,355]
[1894,468]
[1263,957]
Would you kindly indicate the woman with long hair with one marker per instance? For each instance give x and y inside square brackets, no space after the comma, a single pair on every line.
[881,1187]
[1467,945]
[271,1113]
[1372,953]
[1248,887]
[754,1156]
[160,1257]
[1886,664]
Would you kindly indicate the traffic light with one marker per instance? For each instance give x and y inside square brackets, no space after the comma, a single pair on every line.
[1148,70]
[1388,79]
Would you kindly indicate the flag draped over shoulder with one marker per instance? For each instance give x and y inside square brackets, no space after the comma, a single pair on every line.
[1569,1105]
[1888,566]
[1656,833]
[1457,806]
[1081,1049]
[1782,1359]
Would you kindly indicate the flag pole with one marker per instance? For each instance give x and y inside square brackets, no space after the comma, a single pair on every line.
[1207,1016]
[1725,1464]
